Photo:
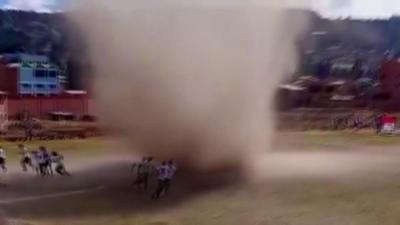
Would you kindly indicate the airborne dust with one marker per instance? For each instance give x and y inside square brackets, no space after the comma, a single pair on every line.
[190,80]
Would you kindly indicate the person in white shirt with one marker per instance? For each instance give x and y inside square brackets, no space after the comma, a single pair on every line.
[26,158]
[3,158]
[171,170]
[58,160]
[35,157]
[162,174]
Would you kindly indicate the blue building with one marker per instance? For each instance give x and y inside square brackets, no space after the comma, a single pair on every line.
[35,74]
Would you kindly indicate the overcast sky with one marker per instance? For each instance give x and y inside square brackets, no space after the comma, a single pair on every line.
[331,8]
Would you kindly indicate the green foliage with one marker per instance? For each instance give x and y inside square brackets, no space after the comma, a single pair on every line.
[46,34]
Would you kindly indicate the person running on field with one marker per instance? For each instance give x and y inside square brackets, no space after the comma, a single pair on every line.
[41,162]
[26,160]
[58,160]
[3,158]
[35,157]
[171,170]
[143,172]
[138,166]
[49,167]
[44,162]
[162,172]
[135,165]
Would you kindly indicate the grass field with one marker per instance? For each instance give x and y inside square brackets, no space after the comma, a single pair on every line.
[356,196]
[335,140]
[70,147]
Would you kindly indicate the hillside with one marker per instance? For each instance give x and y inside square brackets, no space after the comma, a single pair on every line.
[343,39]
[48,34]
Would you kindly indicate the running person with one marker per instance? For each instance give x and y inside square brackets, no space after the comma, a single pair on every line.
[171,170]
[48,162]
[58,159]
[138,166]
[135,165]
[35,157]
[3,158]
[26,158]
[162,172]
[44,162]
[143,172]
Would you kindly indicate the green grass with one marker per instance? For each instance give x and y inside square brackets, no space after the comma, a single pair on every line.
[340,140]
[361,199]
[300,203]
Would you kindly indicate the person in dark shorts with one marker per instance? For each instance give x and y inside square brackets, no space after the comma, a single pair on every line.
[48,162]
[3,159]
[136,165]
[143,173]
[171,170]
[58,160]
[35,157]
[44,162]
[26,160]
[162,172]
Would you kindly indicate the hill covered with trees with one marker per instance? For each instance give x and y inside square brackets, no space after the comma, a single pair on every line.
[340,39]
[47,34]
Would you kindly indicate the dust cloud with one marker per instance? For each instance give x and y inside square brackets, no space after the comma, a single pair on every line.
[190,80]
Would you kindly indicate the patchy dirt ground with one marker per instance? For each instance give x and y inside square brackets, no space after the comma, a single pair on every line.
[330,185]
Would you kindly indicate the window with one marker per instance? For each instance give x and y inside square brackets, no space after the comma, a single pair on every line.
[52,86]
[40,73]
[53,74]
[28,86]
[39,85]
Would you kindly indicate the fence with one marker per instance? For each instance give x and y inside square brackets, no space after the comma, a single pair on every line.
[40,107]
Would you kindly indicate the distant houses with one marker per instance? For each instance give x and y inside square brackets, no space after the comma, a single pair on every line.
[31,83]
[382,93]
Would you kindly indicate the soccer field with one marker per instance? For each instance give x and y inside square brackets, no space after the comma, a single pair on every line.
[315,178]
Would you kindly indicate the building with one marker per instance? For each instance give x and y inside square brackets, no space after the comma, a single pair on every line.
[31,83]
[3,111]
[29,75]
[41,106]
[390,79]
[387,95]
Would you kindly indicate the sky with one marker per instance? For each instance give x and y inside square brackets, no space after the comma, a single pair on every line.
[329,8]
[35,5]
[357,8]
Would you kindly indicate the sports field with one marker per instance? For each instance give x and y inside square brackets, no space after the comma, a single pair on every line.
[308,178]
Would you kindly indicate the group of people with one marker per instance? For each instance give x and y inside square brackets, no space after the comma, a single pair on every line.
[40,161]
[164,173]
